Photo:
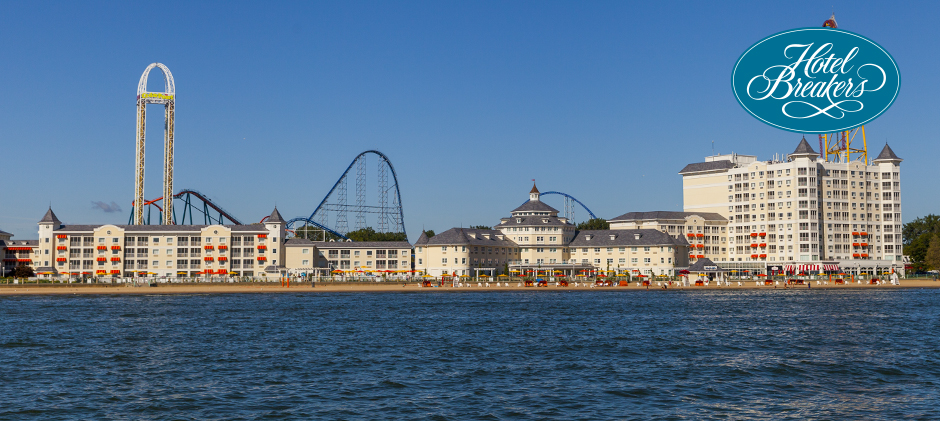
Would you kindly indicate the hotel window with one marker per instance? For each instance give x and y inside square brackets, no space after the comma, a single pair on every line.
[305,262]
[597,261]
[646,260]
[633,260]
[444,260]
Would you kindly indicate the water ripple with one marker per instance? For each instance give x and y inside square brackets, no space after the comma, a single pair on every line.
[752,355]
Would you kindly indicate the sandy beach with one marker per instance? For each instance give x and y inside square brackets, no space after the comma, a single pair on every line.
[274,288]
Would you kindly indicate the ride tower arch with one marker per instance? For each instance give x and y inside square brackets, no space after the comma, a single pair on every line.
[168,99]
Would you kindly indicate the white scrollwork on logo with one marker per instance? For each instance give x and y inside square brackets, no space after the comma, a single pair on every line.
[784,81]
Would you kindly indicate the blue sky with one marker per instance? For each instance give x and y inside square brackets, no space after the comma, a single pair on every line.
[606,101]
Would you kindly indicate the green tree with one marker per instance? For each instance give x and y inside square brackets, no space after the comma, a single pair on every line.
[932,257]
[429,233]
[369,234]
[594,224]
[480,227]
[917,235]
[23,272]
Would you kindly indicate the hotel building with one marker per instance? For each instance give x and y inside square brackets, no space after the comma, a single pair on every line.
[535,238]
[164,251]
[802,210]
[319,257]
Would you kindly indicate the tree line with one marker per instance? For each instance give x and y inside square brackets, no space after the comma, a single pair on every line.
[921,238]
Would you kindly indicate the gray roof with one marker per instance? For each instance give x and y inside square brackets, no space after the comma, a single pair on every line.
[423,239]
[49,217]
[531,220]
[644,216]
[473,237]
[298,242]
[804,149]
[2,232]
[275,216]
[699,266]
[161,228]
[887,154]
[707,166]
[535,206]
[625,238]
[361,244]
[19,243]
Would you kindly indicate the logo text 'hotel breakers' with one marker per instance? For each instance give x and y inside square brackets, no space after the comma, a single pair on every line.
[816,80]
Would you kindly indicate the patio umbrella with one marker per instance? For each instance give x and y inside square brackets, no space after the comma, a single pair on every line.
[761,275]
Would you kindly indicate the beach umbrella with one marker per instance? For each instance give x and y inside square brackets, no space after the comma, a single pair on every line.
[641,276]
[426,276]
[464,276]
[504,276]
[761,275]
[337,271]
[483,275]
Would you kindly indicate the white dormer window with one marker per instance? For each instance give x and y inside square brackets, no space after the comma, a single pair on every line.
[613,236]
[518,220]
[588,237]
[544,220]
[637,236]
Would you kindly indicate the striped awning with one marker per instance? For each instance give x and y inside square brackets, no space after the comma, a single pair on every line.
[808,268]
[831,267]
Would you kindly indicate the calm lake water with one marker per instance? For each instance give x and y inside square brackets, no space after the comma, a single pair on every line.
[797,354]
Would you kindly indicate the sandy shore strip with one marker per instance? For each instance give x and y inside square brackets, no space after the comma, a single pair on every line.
[242,288]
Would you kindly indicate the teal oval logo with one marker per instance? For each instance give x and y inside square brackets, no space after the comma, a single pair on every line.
[816,80]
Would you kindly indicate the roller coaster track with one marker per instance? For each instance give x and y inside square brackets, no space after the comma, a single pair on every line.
[390,218]
[569,205]
[189,206]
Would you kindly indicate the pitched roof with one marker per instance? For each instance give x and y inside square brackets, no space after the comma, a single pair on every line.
[804,149]
[624,238]
[644,216]
[534,189]
[474,237]
[529,220]
[49,217]
[298,242]
[162,228]
[2,232]
[707,166]
[422,240]
[362,244]
[887,154]
[535,206]
[699,266]
[275,216]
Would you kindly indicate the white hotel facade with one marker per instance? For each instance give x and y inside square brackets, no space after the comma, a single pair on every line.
[802,210]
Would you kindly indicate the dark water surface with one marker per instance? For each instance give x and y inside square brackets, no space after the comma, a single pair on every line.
[818,354]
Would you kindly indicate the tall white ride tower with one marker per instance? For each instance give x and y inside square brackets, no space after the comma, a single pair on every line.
[168,99]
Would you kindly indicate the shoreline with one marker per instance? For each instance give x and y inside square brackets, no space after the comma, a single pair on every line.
[342,287]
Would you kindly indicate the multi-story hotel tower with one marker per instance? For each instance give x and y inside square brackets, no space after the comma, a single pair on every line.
[802,210]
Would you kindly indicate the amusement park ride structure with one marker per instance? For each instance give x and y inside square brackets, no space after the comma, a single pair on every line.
[168,99]
[838,146]
[378,214]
